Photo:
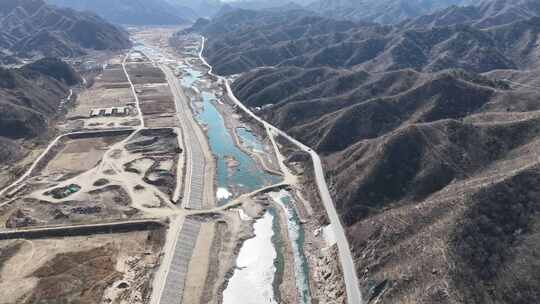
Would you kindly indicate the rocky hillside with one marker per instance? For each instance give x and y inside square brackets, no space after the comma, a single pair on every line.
[381,11]
[484,15]
[201,8]
[31,27]
[134,12]
[242,40]
[427,170]
[29,99]
[430,151]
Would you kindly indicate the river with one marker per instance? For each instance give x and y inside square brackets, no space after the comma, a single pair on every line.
[253,280]
[237,171]
[296,237]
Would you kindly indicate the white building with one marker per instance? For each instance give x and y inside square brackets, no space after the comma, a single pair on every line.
[114,111]
[95,112]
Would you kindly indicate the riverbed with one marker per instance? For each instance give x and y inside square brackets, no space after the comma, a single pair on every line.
[237,172]
[252,281]
[296,237]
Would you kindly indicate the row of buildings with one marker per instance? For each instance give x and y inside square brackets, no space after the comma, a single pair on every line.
[114,111]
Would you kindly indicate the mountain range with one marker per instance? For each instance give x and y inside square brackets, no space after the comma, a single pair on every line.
[32,94]
[134,12]
[485,14]
[29,99]
[32,28]
[247,39]
[381,11]
[174,12]
[428,130]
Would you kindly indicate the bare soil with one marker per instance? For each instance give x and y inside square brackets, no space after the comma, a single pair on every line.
[80,269]
[80,154]
[145,73]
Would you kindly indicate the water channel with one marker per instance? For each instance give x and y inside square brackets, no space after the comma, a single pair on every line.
[236,170]
[297,238]
[254,278]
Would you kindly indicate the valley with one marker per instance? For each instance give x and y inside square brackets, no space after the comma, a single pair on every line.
[416,124]
[325,152]
[156,154]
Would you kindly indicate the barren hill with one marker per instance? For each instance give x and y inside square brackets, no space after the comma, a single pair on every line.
[243,40]
[381,11]
[417,163]
[133,12]
[485,14]
[31,27]
[29,100]
[430,152]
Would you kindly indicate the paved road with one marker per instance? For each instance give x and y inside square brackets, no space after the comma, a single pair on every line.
[354,296]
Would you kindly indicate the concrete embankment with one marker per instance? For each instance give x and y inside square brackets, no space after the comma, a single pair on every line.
[81,230]
[100,133]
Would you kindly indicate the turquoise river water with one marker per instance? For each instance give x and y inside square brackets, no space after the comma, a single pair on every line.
[247,177]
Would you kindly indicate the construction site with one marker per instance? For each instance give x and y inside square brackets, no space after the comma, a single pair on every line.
[85,212]
[159,190]
[107,103]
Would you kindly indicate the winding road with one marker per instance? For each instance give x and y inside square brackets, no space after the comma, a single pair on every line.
[197,190]
[354,295]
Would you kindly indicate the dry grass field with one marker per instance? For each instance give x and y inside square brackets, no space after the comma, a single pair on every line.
[80,154]
[108,268]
